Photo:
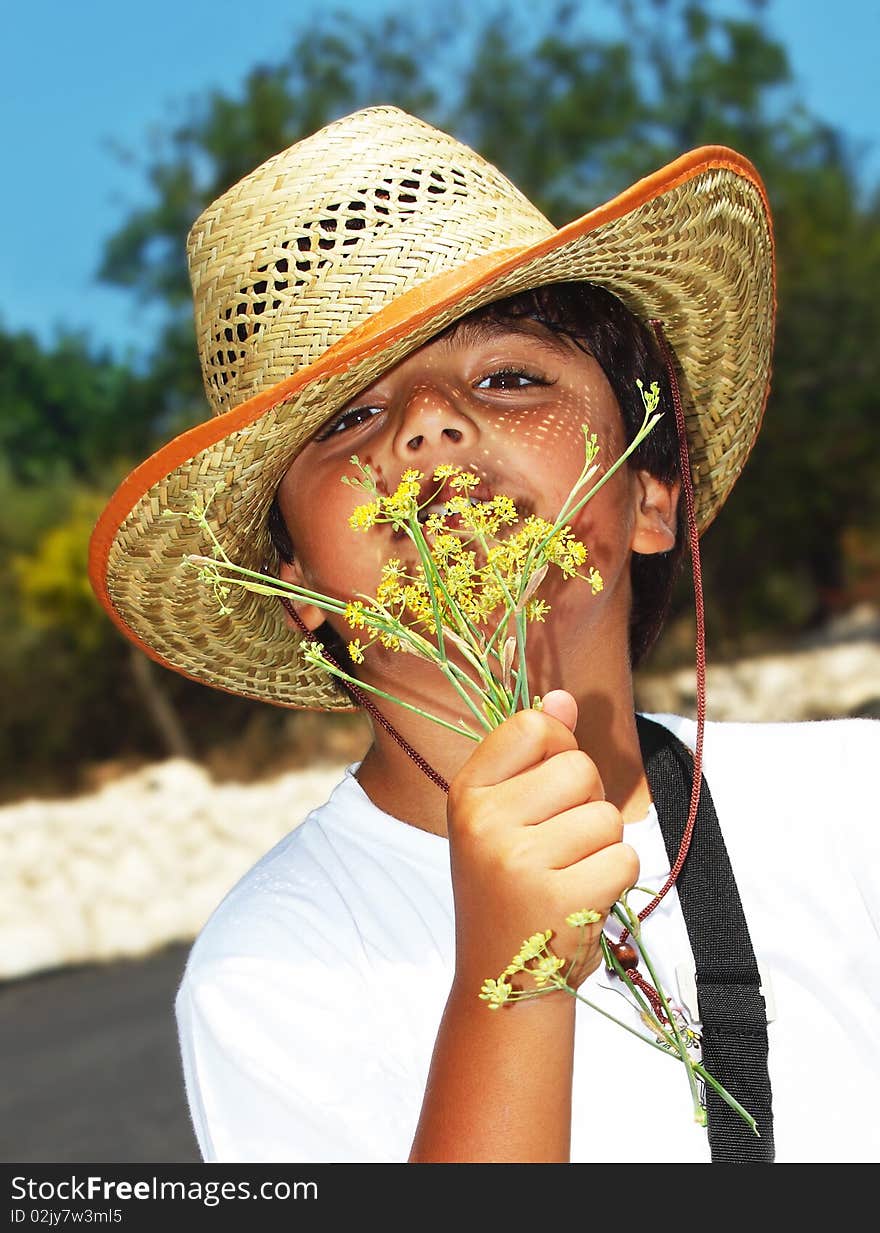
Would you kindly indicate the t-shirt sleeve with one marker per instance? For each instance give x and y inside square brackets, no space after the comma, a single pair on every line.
[859,767]
[281,1062]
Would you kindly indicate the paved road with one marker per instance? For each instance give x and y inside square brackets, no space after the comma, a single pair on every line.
[89,1069]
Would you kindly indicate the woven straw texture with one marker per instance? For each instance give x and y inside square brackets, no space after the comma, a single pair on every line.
[337,258]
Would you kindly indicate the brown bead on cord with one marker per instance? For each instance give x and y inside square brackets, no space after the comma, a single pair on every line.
[625,954]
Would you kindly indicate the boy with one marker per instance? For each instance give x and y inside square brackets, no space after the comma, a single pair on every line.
[379,289]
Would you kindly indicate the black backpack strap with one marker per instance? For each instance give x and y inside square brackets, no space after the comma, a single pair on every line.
[731,1006]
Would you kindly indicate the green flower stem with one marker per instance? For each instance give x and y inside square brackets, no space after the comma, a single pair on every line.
[449,671]
[673,1053]
[202,521]
[678,1044]
[566,513]
[481,647]
[522,688]
[638,997]
[414,530]
[560,984]
[468,632]
[672,1034]
[669,1051]
[264,584]
[470,640]
[626,918]
[657,985]
[522,677]
[726,1096]
[504,700]
[489,684]
[353,680]
[452,673]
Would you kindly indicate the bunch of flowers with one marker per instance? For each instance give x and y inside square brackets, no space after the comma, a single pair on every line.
[668,1027]
[474,590]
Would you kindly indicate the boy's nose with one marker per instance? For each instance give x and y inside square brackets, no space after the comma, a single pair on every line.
[431,420]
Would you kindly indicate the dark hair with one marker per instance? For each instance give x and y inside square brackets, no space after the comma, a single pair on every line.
[626,350]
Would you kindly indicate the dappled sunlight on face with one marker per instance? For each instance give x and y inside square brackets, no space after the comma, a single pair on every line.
[506,401]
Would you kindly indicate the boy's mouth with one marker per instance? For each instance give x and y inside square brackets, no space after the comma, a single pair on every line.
[444,509]
[442,498]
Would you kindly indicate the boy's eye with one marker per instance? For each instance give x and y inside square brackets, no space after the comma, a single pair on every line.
[347,419]
[510,379]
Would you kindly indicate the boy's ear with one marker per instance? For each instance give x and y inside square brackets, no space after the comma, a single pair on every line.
[656,521]
[311,617]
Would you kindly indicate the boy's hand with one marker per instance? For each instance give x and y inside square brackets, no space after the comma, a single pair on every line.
[532,839]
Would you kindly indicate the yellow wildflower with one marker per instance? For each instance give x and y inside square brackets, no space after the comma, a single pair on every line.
[364,516]
[496,992]
[356,651]
[389,588]
[584,916]
[446,544]
[403,501]
[356,615]
[532,947]
[505,509]
[652,398]
[545,968]
[464,480]
[434,524]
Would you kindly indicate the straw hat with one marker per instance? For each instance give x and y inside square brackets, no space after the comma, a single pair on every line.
[338,257]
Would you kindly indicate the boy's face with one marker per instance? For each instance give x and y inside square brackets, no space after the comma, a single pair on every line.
[506,401]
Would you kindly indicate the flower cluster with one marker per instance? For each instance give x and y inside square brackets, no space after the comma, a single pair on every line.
[474,589]
[536,960]
[449,590]
[669,1029]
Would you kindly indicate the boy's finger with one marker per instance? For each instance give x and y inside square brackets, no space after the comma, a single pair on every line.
[600,878]
[522,741]
[562,706]
[561,782]
[574,835]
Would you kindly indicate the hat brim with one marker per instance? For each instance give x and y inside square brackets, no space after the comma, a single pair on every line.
[690,245]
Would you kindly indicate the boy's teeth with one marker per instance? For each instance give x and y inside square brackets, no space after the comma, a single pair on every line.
[439,507]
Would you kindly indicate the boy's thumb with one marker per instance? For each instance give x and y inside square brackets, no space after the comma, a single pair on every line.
[562,706]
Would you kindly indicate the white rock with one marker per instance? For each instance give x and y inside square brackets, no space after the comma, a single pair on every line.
[143,861]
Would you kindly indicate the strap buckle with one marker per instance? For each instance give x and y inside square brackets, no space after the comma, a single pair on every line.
[686,979]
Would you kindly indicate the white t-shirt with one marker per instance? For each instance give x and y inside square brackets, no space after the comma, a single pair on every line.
[311,1000]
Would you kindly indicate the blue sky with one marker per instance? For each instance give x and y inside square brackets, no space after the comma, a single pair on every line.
[82,78]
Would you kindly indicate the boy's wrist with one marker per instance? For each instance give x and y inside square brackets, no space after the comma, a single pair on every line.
[465,993]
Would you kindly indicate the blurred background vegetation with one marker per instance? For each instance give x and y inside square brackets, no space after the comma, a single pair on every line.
[572,119]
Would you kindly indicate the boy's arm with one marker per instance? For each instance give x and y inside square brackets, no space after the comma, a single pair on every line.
[499,1088]
[532,840]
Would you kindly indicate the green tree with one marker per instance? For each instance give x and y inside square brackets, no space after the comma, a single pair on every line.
[69,408]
